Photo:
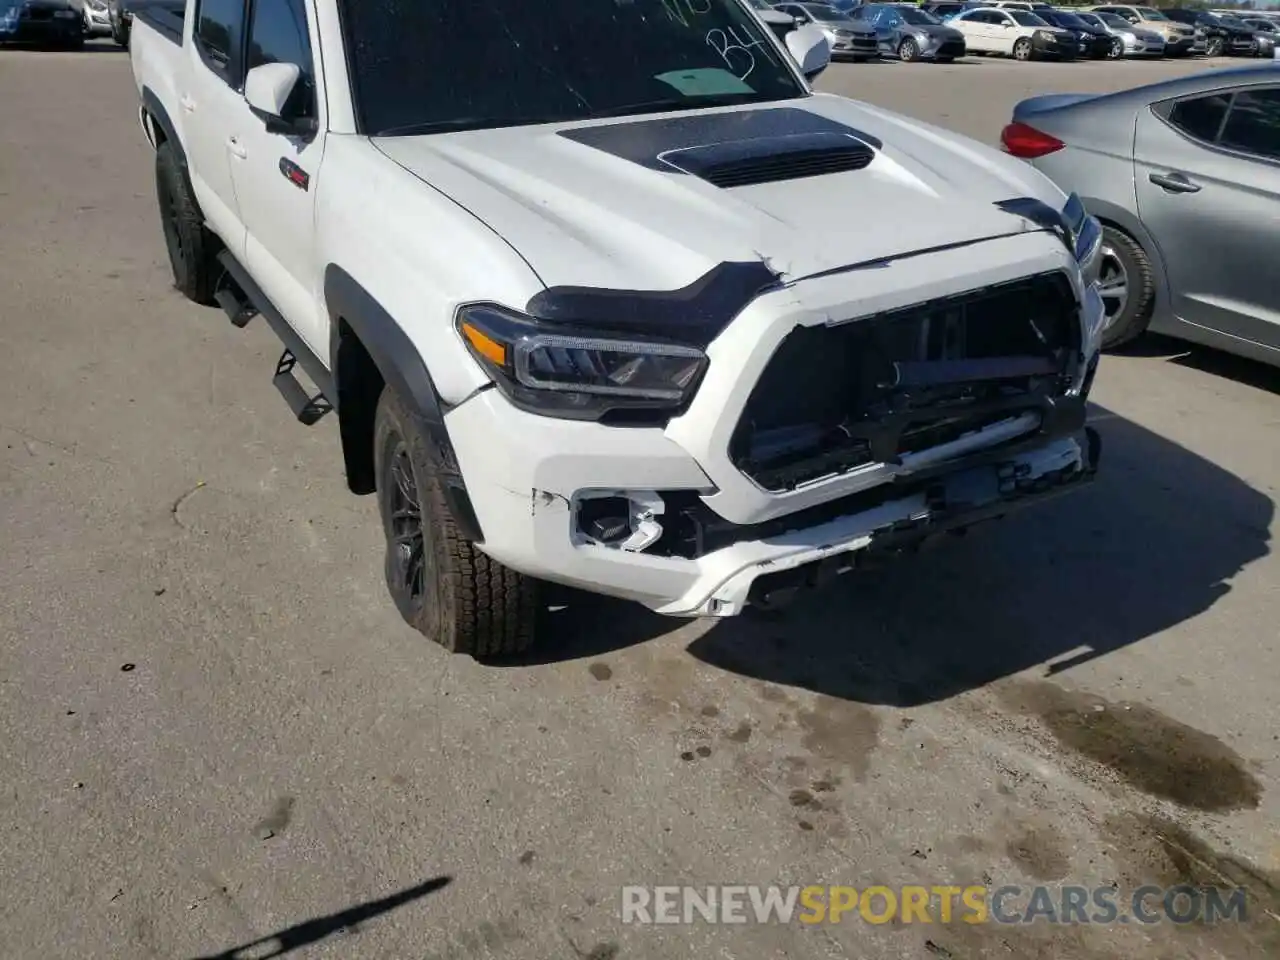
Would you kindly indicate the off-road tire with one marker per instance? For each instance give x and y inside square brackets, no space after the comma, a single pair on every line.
[190,245]
[464,601]
[908,51]
[1022,49]
[1132,320]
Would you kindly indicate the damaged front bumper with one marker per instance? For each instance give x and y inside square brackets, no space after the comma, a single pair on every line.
[679,519]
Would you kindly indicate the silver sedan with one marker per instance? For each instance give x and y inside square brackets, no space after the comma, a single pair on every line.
[1185,177]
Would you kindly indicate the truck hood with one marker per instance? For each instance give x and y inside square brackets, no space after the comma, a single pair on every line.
[602,204]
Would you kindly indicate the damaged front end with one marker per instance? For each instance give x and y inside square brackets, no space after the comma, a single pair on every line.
[878,391]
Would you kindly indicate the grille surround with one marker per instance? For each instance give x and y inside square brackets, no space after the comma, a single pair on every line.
[874,390]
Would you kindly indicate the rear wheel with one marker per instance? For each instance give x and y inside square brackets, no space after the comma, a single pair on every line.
[1213,48]
[1126,286]
[907,50]
[190,245]
[1022,49]
[442,585]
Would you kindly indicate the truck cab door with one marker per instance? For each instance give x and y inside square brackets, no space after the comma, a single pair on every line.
[210,100]
[276,174]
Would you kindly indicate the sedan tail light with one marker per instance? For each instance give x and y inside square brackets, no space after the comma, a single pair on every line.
[1027,142]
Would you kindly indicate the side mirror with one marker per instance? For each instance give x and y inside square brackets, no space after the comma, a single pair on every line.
[811,48]
[269,90]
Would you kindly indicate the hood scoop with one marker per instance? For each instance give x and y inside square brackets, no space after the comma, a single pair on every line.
[742,163]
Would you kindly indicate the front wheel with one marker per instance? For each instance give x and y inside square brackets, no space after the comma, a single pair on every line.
[1126,287]
[1214,47]
[188,241]
[1117,49]
[1022,49]
[908,51]
[442,585]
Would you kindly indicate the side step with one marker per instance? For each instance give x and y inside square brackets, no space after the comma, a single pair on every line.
[234,303]
[306,408]
[242,299]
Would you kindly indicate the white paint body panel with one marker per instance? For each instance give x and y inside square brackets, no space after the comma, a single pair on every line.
[426,224]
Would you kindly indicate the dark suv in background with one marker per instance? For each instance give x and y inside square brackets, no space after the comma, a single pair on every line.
[1219,37]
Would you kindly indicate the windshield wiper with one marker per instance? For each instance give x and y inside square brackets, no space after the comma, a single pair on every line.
[677,103]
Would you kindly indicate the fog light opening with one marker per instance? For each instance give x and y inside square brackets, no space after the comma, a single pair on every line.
[619,519]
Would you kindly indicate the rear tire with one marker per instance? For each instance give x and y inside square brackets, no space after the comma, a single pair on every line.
[1213,48]
[1127,288]
[1022,49]
[442,585]
[190,245]
[908,51]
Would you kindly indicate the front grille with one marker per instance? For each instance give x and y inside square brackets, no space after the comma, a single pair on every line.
[833,399]
[39,13]
[952,48]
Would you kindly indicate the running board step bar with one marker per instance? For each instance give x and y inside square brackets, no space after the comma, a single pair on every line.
[306,408]
[233,303]
[248,296]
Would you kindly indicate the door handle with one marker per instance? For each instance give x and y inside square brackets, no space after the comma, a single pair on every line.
[188,105]
[237,148]
[1174,182]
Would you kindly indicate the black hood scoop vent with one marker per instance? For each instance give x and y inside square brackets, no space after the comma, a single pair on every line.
[743,163]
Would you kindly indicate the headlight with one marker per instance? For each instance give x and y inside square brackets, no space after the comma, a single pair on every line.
[96,4]
[566,372]
[1047,36]
[921,38]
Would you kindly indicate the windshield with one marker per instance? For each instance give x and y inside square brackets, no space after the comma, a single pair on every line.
[1091,19]
[1233,22]
[1266,26]
[429,66]
[1069,20]
[1113,20]
[1150,13]
[916,16]
[1025,19]
[819,11]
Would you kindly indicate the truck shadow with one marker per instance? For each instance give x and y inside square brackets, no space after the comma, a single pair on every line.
[1153,542]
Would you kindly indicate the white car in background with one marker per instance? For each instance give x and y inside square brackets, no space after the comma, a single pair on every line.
[1013,33]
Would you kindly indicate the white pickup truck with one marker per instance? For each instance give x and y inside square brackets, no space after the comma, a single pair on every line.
[603,293]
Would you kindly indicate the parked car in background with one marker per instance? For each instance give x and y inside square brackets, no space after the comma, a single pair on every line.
[1127,40]
[1221,37]
[1179,38]
[850,39]
[51,23]
[909,33]
[944,10]
[1185,177]
[97,18]
[778,22]
[122,12]
[1264,43]
[1014,33]
[1095,42]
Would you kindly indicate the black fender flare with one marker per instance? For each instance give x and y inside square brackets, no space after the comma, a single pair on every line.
[160,117]
[352,308]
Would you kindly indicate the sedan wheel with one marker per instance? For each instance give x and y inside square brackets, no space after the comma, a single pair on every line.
[907,50]
[1125,286]
[1117,49]
[1022,49]
[1214,47]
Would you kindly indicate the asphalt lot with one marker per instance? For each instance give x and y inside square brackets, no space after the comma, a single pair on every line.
[214,730]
